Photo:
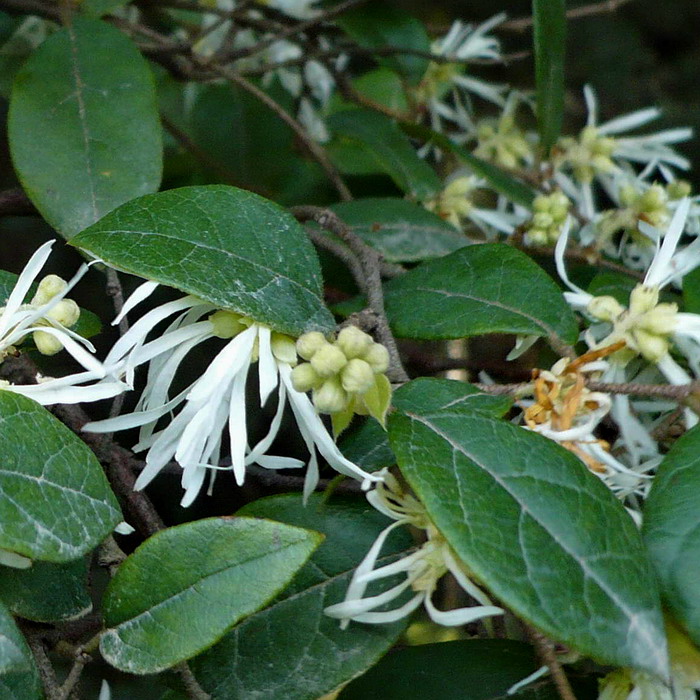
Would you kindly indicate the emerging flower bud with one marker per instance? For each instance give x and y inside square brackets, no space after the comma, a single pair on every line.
[661,320]
[330,397]
[46,344]
[357,376]
[651,347]
[66,312]
[605,308]
[283,348]
[643,299]
[328,360]
[377,357]
[353,342]
[305,378]
[227,324]
[310,343]
[48,288]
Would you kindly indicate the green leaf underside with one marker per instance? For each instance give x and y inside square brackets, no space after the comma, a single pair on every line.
[672,530]
[549,35]
[378,25]
[390,148]
[218,571]
[83,125]
[88,324]
[55,502]
[47,592]
[227,246]
[292,650]
[489,288]
[515,190]
[19,678]
[539,530]
[400,230]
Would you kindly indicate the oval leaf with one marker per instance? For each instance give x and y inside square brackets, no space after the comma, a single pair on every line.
[55,502]
[83,125]
[47,592]
[303,652]
[549,35]
[218,571]
[672,530]
[19,678]
[230,247]
[489,288]
[400,230]
[538,529]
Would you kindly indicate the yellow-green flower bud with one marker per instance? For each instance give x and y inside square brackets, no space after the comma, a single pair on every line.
[66,312]
[46,343]
[643,299]
[652,347]
[628,195]
[357,376]
[310,343]
[541,203]
[542,220]
[537,236]
[660,320]
[353,342]
[330,397]
[605,308]
[48,288]
[226,324]
[305,378]
[283,348]
[678,189]
[377,357]
[653,198]
[328,360]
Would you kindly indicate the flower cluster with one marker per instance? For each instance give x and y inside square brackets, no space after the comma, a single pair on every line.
[550,212]
[422,569]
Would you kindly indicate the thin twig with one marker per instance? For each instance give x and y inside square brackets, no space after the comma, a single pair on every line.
[316,151]
[43,664]
[370,282]
[192,687]
[81,659]
[596,8]
[545,651]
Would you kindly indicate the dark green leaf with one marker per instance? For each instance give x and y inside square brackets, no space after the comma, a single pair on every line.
[99,8]
[55,503]
[291,650]
[218,571]
[378,25]
[390,149]
[19,678]
[515,190]
[538,529]
[489,288]
[672,530]
[400,230]
[549,35]
[47,592]
[228,246]
[368,446]
[382,86]
[613,284]
[475,669]
[83,125]
[691,291]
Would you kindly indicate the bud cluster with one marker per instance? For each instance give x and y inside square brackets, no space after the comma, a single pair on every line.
[548,218]
[453,203]
[500,141]
[645,326]
[588,155]
[65,313]
[339,371]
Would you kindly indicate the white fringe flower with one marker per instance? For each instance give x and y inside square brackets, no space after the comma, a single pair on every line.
[214,401]
[422,569]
